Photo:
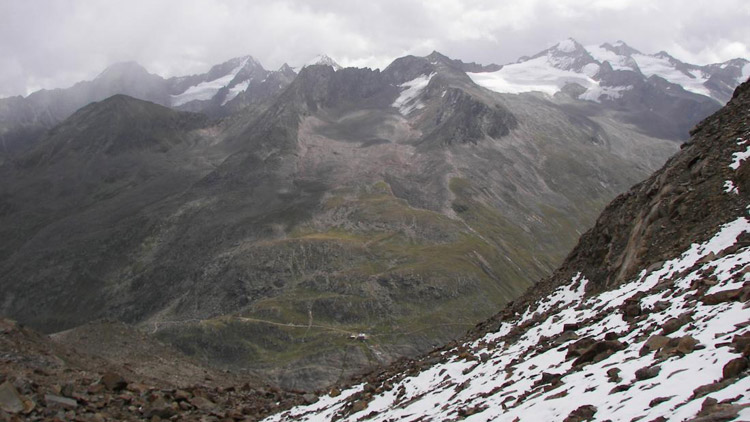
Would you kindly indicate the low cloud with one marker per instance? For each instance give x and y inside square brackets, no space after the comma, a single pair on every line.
[49,44]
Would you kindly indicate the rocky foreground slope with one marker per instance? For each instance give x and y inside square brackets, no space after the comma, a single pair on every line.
[114,373]
[647,319]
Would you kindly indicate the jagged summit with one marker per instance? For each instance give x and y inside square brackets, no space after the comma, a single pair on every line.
[568,45]
[287,70]
[438,58]
[621,48]
[323,60]
[221,84]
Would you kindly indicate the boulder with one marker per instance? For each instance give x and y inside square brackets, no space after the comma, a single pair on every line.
[654,343]
[55,401]
[10,400]
[113,381]
[647,372]
[613,375]
[675,324]
[599,351]
[686,345]
[734,367]
[723,296]
[583,413]
[202,403]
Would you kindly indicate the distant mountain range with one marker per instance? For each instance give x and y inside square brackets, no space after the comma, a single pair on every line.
[258,218]
[615,75]
[611,71]
[662,94]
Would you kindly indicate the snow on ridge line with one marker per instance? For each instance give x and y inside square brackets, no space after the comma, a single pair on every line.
[615,60]
[408,100]
[738,158]
[651,65]
[566,46]
[745,73]
[236,90]
[502,380]
[207,89]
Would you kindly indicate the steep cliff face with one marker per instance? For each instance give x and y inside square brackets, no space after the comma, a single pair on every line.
[701,188]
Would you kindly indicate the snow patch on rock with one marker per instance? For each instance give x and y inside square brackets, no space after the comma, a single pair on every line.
[566,46]
[236,90]
[659,66]
[408,100]
[730,188]
[207,89]
[538,75]
[615,60]
[738,158]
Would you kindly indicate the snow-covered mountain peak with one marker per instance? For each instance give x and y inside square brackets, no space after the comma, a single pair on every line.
[568,45]
[663,55]
[286,69]
[234,75]
[569,55]
[324,60]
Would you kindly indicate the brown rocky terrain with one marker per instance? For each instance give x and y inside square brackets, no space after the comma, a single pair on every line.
[109,372]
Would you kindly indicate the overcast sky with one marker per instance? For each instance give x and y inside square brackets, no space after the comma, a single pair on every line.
[55,43]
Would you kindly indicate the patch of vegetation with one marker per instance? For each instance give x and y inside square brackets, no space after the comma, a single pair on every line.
[404,276]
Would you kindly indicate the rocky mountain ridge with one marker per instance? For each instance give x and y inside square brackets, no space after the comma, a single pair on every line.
[609,73]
